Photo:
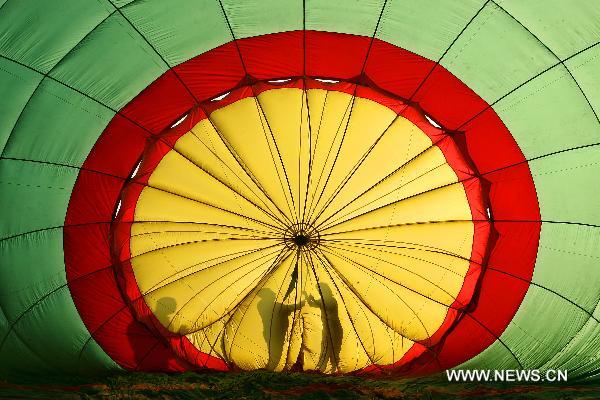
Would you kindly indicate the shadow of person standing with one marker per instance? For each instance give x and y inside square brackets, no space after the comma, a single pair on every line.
[333,333]
[275,320]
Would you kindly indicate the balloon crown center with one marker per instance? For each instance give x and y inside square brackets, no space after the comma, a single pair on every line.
[301,240]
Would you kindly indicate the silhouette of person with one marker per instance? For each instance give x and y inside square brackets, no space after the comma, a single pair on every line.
[333,332]
[275,319]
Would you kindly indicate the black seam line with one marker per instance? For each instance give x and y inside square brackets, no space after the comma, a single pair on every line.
[266,208]
[360,301]
[400,167]
[553,53]
[206,204]
[169,67]
[355,168]
[3,4]
[21,340]
[235,192]
[126,306]
[337,154]
[437,63]
[396,202]
[237,46]
[573,338]
[523,84]
[214,281]
[380,197]
[120,310]
[312,156]
[260,111]
[78,225]
[218,262]
[342,249]
[348,111]
[351,104]
[526,161]
[260,283]
[332,250]
[231,313]
[324,309]
[355,198]
[44,76]
[149,133]
[358,243]
[170,246]
[300,152]
[240,162]
[487,329]
[279,312]
[310,148]
[248,236]
[136,182]
[481,265]
[360,304]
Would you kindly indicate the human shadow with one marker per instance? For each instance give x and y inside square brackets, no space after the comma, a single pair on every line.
[275,320]
[333,333]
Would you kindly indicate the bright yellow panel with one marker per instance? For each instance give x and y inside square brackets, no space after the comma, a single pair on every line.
[302,228]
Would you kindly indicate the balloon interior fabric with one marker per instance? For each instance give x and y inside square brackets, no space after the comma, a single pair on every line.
[374,187]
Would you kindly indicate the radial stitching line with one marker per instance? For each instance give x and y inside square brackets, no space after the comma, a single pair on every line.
[553,53]
[224,164]
[121,309]
[44,76]
[241,163]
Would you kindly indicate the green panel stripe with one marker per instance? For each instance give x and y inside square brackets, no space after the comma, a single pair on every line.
[112,64]
[426,28]
[335,16]
[58,125]
[179,29]
[585,67]
[259,17]
[486,56]
[46,30]
[18,84]
[552,22]
[538,113]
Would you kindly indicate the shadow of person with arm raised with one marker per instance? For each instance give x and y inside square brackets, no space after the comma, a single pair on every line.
[333,333]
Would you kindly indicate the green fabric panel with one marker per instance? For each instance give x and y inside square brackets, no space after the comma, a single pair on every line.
[495,54]
[567,262]
[585,67]
[545,326]
[59,334]
[121,3]
[58,125]
[582,355]
[23,360]
[548,114]
[567,187]
[16,87]
[426,27]
[356,17]
[36,195]
[564,26]
[259,17]
[568,256]
[33,267]
[47,30]
[112,64]
[179,29]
